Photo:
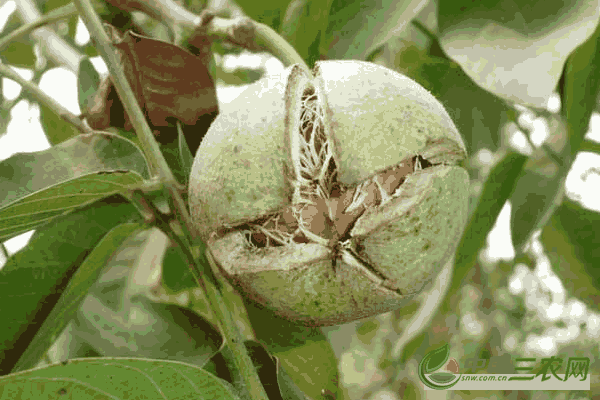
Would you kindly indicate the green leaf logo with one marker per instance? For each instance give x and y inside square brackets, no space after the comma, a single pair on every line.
[433,361]
[437,359]
[442,377]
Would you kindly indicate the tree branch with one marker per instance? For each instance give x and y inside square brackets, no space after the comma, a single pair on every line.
[56,48]
[45,99]
[243,32]
[205,274]
[52,16]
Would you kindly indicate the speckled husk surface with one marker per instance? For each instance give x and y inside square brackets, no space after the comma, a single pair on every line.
[333,196]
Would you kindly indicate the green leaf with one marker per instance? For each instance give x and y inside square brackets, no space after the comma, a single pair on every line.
[186,157]
[88,81]
[305,352]
[115,378]
[143,328]
[172,155]
[312,367]
[510,47]
[48,5]
[57,130]
[177,276]
[478,114]
[42,185]
[581,87]
[239,76]
[356,28]
[436,358]
[39,208]
[117,319]
[534,197]
[73,295]
[33,279]
[19,53]
[272,374]
[5,117]
[268,12]
[278,334]
[496,190]
[304,25]
[572,243]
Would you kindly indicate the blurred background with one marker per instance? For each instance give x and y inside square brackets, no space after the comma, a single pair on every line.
[555,319]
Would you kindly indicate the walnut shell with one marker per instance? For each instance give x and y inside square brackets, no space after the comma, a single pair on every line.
[332,197]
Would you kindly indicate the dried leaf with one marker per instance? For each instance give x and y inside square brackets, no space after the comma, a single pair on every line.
[168,82]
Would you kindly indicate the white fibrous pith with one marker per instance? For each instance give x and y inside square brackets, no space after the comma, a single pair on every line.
[322,209]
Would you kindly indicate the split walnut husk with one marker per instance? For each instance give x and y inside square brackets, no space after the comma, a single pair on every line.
[333,196]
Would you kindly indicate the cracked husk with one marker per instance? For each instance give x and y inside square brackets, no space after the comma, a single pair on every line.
[331,197]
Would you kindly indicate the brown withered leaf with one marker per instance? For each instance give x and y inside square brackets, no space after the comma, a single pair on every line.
[169,82]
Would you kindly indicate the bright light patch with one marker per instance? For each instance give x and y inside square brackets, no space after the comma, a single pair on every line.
[12,89]
[82,36]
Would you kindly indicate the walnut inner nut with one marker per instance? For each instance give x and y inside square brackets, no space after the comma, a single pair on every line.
[341,233]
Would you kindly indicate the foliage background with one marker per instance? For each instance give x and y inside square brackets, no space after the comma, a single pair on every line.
[515,302]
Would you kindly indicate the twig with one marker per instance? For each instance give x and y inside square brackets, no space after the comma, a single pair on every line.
[205,274]
[43,98]
[244,32]
[52,16]
[56,48]
[591,146]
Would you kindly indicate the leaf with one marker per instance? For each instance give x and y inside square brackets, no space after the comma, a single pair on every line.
[239,76]
[513,49]
[272,374]
[88,81]
[436,359]
[478,114]
[57,180]
[94,378]
[5,117]
[117,319]
[41,207]
[19,53]
[57,130]
[177,277]
[313,367]
[167,80]
[496,190]
[185,155]
[304,26]
[68,304]
[581,87]
[356,28]
[33,279]
[304,352]
[572,243]
[268,12]
[534,197]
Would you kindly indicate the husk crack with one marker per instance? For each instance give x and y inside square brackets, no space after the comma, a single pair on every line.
[323,210]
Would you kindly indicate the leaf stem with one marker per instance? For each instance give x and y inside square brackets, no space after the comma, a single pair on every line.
[206,277]
[45,99]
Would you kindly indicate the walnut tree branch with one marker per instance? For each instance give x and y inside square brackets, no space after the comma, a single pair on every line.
[40,96]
